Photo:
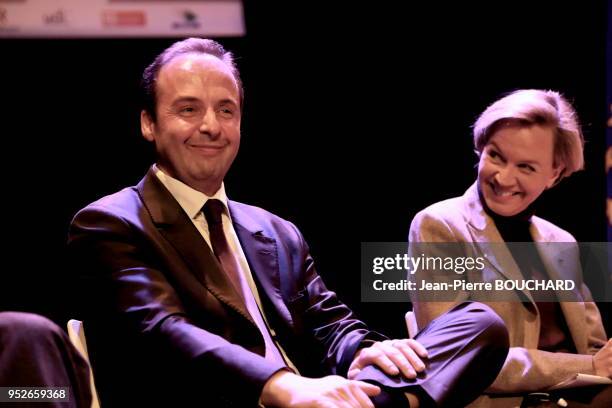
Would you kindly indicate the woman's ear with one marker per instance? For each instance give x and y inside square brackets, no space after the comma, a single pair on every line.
[556,176]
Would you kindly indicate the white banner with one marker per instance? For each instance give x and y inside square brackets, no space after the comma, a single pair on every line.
[121,18]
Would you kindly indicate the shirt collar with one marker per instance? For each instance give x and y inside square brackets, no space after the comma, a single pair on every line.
[190,199]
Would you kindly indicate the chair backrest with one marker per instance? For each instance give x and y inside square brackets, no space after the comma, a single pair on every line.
[76,333]
[411,324]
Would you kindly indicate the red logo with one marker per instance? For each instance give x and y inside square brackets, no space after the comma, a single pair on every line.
[124,18]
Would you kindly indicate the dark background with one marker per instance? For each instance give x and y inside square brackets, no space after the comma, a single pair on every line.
[356,117]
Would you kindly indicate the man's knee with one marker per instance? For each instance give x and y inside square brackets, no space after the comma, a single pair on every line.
[485,323]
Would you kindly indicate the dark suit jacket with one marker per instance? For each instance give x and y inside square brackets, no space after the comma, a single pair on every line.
[160,313]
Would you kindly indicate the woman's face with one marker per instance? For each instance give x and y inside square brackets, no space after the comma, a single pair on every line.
[515,167]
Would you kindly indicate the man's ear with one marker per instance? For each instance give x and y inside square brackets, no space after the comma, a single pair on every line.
[147,126]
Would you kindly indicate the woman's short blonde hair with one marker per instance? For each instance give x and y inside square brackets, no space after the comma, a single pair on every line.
[529,107]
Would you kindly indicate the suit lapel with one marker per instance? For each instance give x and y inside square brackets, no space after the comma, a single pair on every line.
[262,255]
[488,240]
[179,231]
[556,258]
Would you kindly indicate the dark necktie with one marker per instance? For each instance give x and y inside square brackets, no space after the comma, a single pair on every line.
[212,211]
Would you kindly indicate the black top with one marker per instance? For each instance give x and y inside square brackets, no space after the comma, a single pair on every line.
[554,334]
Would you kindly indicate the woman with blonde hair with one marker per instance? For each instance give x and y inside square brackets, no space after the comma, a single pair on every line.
[526,142]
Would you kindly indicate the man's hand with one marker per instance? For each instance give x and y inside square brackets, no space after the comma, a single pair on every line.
[602,361]
[285,389]
[391,356]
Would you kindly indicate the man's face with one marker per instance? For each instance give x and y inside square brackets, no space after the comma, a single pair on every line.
[515,167]
[197,132]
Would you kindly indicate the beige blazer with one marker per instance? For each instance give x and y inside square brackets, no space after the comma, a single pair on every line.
[463,219]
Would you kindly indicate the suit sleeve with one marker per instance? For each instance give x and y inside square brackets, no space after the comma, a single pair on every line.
[525,369]
[329,321]
[124,279]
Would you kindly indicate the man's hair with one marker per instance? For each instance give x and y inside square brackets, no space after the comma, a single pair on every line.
[528,107]
[188,46]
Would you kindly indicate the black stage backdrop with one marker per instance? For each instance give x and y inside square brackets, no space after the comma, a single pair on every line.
[355,119]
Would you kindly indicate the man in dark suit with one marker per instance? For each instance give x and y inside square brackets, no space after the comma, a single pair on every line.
[194,297]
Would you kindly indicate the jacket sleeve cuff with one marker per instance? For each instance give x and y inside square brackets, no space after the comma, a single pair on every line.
[362,341]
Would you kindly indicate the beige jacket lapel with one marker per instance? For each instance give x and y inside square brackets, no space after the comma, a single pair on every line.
[562,262]
[488,240]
